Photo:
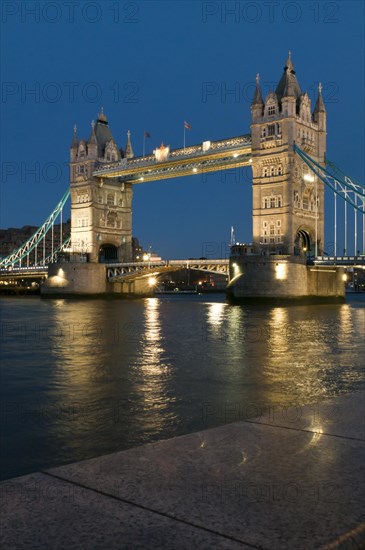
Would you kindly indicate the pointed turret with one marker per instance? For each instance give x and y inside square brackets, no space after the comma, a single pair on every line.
[257,105]
[75,141]
[128,148]
[92,136]
[92,142]
[74,145]
[320,115]
[257,98]
[319,106]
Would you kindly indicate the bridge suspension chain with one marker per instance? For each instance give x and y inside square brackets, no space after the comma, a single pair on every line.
[36,239]
[352,193]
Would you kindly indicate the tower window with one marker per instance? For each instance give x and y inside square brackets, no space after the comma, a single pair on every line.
[110,199]
[271,129]
[280,170]
[272,202]
[271,110]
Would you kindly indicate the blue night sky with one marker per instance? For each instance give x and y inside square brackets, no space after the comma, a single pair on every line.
[148,64]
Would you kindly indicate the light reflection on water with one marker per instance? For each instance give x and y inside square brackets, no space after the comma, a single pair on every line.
[84,378]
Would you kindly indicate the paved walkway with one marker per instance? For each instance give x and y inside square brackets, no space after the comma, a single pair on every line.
[293,479]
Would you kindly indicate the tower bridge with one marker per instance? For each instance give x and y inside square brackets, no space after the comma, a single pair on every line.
[286,150]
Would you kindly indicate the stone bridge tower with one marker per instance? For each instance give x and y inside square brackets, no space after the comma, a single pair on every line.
[288,200]
[101,211]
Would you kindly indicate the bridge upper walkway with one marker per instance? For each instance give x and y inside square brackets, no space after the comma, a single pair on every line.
[208,156]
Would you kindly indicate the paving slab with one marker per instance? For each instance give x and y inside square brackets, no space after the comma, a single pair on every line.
[270,483]
[262,484]
[40,512]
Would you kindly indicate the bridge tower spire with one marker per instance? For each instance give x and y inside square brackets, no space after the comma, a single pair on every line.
[288,201]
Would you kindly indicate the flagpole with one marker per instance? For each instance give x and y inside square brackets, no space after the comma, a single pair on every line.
[144,141]
[184,135]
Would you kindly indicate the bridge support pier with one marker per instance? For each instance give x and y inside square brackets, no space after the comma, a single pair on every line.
[279,279]
[89,279]
[74,278]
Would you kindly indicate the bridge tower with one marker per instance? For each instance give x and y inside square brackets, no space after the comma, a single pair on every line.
[101,211]
[288,201]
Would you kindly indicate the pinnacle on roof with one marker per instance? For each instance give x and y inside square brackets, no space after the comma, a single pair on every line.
[257,98]
[92,137]
[288,85]
[102,117]
[128,148]
[75,141]
[319,106]
[289,62]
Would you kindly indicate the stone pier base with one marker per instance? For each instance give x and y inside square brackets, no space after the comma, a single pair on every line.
[82,279]
[281,279]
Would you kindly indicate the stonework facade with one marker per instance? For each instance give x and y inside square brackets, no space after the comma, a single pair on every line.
[101,210]
[288,201]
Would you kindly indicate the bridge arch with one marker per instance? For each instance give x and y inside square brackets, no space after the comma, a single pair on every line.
[108,253]
[304,243]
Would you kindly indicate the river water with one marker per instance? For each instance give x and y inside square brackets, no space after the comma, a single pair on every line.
[81,378]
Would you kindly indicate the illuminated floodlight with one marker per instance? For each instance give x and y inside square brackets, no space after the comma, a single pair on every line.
[152,281]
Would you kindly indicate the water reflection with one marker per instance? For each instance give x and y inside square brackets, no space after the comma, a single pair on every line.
[215,315]
[109,375]
[152,364]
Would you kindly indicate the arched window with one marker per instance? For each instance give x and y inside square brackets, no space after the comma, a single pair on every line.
[272,171]
[280,170]
[265,172]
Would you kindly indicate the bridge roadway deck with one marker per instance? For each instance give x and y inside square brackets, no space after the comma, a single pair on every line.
[288,479]
[123,271]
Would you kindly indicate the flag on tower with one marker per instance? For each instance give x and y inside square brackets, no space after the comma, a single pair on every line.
[147,134]
[187,125]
